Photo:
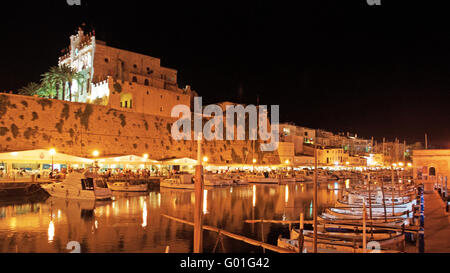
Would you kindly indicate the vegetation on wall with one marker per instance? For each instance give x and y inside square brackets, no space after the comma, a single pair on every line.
[14,130]
[35,116]
[3,131]
[117,87]
[122,120]
[4,104]
[44,103]
[65,112]
[84,115]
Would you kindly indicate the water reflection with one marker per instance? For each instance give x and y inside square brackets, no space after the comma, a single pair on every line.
[133,222]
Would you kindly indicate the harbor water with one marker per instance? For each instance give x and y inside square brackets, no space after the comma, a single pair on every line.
[133,222]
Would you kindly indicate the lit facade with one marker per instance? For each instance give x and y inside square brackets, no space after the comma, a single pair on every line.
[122,79]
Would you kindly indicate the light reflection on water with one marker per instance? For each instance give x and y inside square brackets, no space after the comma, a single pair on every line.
[133,222]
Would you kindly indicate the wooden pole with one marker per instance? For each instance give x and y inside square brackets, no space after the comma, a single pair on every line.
[364,227]
[315,200]
[384,201]
[392,192]
[370,205]
[234,236]
[198,212]
[300,237]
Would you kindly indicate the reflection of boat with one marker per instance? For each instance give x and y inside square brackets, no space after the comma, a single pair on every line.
[18,189]
[79,186]
[128,186]
[180,181]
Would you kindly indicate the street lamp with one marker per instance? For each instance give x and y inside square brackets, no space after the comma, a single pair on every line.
[205,159]
[95,154]
[145,162]
[52,153]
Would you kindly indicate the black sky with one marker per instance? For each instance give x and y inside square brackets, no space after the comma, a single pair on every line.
[381,71]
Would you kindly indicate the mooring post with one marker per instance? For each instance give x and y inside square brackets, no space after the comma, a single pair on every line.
[198,213]
[422,223]
[300,236]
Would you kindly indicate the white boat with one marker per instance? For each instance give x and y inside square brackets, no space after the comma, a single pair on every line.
[128,186]
[80,186]
[217,180]
[180,181]
[263,179]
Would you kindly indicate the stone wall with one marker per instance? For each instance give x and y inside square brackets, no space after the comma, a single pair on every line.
[28,123]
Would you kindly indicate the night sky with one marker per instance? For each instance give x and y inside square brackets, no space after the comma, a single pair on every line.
[381,71]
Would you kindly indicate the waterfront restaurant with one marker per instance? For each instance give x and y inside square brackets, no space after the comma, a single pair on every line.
[130,162]
[38,162]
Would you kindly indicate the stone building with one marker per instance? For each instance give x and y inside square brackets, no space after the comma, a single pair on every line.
[122,79]
[429,164]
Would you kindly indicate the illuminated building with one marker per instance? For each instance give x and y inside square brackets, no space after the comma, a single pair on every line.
[122,79]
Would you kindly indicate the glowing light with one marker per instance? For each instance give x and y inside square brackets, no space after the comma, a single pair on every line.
[254,195]
[347,184]
[205,159]
[51,231]
[395,165]
[205,201]
[254,160]
[409,164]
[144,215]
[95,153]
[401,164]
[14,154]
[286,196]
[347,163]
[287,162]
[146,156]
[52,151]
[96,224]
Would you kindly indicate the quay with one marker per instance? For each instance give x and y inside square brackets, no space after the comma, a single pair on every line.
[437,221]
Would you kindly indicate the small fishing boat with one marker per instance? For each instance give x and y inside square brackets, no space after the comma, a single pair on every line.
[217,180]
[86,186]
[387,240]
[128,186]
[325,246]
[263,179]
[180,181]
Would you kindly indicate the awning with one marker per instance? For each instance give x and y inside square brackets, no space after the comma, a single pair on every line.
[179,161]
[42,156]
[128,159]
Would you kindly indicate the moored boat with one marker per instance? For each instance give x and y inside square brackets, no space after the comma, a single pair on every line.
[76,185]
[180,181]
[128,186]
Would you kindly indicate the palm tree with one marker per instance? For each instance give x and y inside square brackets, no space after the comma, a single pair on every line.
[53,80]
[70,74]
[30,89]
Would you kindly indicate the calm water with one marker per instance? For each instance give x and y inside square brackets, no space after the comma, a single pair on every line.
[133,222]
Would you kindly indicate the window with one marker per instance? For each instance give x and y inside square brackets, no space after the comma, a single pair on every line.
[106,60]
[134,79]
[178,97]
[134,66]
[161,96]
[146,82]
[148,93]
[126,101]
[161,109]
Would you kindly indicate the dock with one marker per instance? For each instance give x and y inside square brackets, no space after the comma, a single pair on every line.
[437,221]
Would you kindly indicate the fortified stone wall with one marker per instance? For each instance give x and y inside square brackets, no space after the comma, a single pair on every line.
[28,123]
